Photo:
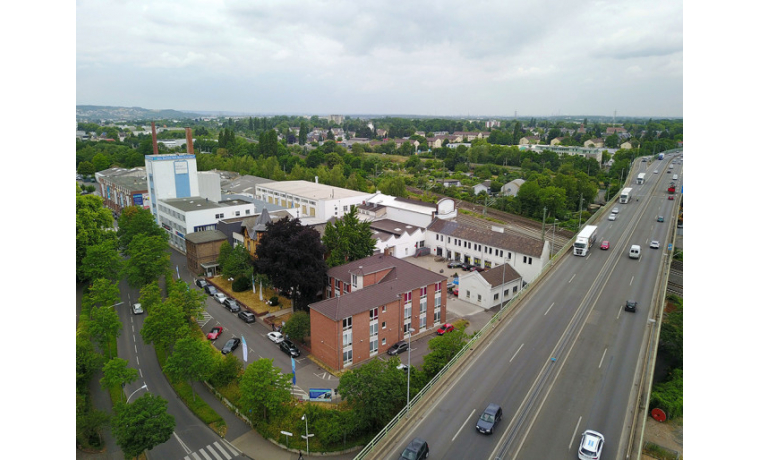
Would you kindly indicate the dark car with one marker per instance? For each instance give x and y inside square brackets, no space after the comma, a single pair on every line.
[230,346]
[630,305]
[466,267]
[289,348]
[398,348]
[231,305]
[201,283]
[247,316]
[210,290]
[489,419]
[454,264]
[416,450]
[671,197]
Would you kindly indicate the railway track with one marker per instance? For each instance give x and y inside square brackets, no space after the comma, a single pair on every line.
[675,278]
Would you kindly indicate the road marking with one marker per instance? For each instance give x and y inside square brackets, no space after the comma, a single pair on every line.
[631,283]
[571,279]
[141,376]
[208,457]
[187,449]
[602,360]
[550,307]
[575,432]
[518,351]
[216,444]
[465,423]
[619,311]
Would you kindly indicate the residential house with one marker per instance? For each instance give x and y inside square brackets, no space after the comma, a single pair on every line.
[598,143]
[511,188]
[529,140]
[490,288]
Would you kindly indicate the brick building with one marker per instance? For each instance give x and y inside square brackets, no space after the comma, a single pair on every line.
[203,251]
[371,304]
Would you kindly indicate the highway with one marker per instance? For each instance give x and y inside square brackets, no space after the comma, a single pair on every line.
[566,359]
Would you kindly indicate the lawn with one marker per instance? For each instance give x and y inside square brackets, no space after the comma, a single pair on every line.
[252,301]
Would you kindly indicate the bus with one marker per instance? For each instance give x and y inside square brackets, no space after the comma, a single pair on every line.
[625,195]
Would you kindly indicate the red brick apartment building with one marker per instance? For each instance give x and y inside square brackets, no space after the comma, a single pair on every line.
[371,304]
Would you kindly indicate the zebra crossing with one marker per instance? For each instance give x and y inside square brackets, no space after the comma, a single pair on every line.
[214,449]
[203,318]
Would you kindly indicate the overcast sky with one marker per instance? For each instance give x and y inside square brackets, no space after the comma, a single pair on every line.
[533,57]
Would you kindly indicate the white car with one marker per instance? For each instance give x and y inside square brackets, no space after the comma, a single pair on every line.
[654,244]
[220,297]
[615,210]
[612,217]
[275,337]
[137,309]
[656,171]
[591,445]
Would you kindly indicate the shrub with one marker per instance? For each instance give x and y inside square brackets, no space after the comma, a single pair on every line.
[274,300]
[241,283]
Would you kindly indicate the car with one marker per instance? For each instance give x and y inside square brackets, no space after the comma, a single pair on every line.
[489,419]
[231,345]
[397,348]
[591,445]
[660,218]
[445,328]
[215,332]
[615,210]
[275,337]
[289,348]
[466,267]
[605,245]
[450,285]
[630,305]
[416,450]
[477,268]
[247,316]
[201,283]
[612,217]
[671,197]
[210,290]
[654,244]
[220,297]
[455,291]
[656,171]
[454,264]
[137,309]
[231,305]
[402,367]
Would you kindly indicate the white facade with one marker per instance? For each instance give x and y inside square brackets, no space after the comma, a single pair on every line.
[311,199]
[170,176]
[210,185]
[475,289]
[400,246]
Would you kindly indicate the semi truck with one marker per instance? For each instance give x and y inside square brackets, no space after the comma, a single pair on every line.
[661,156]
[625,195]
[640,179]
[585,240]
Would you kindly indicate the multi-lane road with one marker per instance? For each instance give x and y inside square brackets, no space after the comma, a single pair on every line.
[568,359]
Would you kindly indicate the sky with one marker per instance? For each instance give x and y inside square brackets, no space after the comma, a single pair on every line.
[441,58]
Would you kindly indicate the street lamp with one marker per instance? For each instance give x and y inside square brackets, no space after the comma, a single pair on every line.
[408,368]
[307,434]
[145,386]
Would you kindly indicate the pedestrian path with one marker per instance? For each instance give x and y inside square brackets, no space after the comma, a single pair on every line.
[214,449]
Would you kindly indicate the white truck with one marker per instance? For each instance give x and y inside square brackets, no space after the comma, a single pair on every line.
[640,179]
[625,195]
[585,240]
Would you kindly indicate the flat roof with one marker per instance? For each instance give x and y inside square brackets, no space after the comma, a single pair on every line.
[312,190]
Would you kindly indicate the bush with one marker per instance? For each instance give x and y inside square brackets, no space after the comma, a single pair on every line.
[668,396]
[274,301]
[241,283]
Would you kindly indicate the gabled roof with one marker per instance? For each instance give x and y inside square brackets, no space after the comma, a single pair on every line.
[508,241]
[495,275]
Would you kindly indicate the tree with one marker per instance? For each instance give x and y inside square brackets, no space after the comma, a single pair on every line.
[150,295]
[135,221]
[375,391]
[101,161]
[291,256]
[92,220]
[348,239]
[104,326]
[236,262]
[148,259]
[102,293]
[86,168]
[101,260]
[165,324]
[116,372]
[442,349]
[302,133]
[394,186]
[142,425]
[190,301]
[298,326]
[192,360]
[264,390]
[226,369]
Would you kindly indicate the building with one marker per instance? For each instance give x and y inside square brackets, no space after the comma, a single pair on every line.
[170,176]
[511,188]
[244,185]
[311,199]
[490,288]
[414,212]
[588,152]
[122,187]
[487,248]
[202,251]
[397,239]
[371,304]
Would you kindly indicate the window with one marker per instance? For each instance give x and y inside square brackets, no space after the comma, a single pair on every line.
[468,294]
[383,308]
[383,341]
[496,296]
[407,311]
[423,291]
[348,338]
[407,297]
[373,314]
[423,322]
[373,345]
[438,287]
[354,280]
[437,317]
[383,326]
[479,298]
[348,356]
[514,289]
[237,213]
[438,302]
[347,323]
[247,212]
[373,329]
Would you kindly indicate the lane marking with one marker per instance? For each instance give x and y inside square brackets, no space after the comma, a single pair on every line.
[575,432]
[571,279]
[602,360]
[187,449]
[518,351]
[550,307]
[631,283]
[465,423]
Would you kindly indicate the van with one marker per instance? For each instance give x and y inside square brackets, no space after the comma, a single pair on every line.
[675,176]
[635,251]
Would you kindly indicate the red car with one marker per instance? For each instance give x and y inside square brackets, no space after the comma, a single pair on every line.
[604,245]
[671,197]
[445,328]
[216,331]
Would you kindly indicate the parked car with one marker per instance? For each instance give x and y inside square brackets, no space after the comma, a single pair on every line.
[231,305]
[466,267]
[210,290]
[454,264]
[402,367]
[654,244]
[220,297]
[416,450]
[477,268]
[445,328]
[290,348]
[655,171]
[215,332]
[605,245]
[275,337]
[137,309]
[247,316]
[489,419]
[630,305]
[231,345]
[455,291]
[591,445]
[397,348]
[201,283]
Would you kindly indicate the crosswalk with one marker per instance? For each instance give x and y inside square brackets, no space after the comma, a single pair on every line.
[203,318]
[214,449]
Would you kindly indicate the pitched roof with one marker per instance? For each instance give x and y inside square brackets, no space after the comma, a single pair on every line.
[517,243]
[495,275]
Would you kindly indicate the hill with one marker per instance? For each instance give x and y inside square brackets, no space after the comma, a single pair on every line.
[101,112]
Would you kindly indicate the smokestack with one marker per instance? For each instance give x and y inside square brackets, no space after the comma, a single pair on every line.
[316,179]
[155,142]
[189,137]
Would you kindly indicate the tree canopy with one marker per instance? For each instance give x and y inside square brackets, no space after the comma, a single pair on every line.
[348,239]
[142,425]
[264,390]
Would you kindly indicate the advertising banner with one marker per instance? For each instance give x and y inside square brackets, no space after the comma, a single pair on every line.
[320,394]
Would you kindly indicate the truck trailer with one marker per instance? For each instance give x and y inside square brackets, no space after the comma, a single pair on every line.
[640,179]
[625,195]
[585,240]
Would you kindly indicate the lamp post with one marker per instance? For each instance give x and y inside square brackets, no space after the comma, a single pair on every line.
[145,386]
[408,368]
[307,433]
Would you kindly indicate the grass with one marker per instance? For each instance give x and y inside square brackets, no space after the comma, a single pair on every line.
[655,451]
[251,300]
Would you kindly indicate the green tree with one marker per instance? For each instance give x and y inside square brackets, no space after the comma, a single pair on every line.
[101,260]
[190,301]
[104,326]
[375,391]
[394,186]
[298,326]
[226,369]
[142,425]
[553,199]
[236,263]
[348,239]
[264,390]
[116,372]
[135,221]
[148,259]
[102,293]
[92,220]
[101,161]
[442,349]
[165,324]
[150,295]
[191,361]
[86,168]
[302,133]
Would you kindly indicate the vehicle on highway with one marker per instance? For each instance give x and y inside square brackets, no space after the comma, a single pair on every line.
[220,297]
[275,337]
[656,171]
[231,305]
[290,348]
[231,345]
[489,419]
[605,245]
[210,290]
[630,305]
[448,327]
[635,251]
[397,348]
[247,316]
[660,218]
[671,197]
[201,283]
[615,210]
[612,217]
[416,450]
[137,309]
[454,264]
[586,238]
[591,445]
[654,244]
[215,332]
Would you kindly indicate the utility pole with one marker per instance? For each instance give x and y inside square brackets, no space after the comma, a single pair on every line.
[580,213]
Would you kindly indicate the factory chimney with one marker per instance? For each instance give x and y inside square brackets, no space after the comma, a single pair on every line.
[155,142]
[189,137]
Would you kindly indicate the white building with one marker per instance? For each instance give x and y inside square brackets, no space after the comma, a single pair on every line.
[487,248]
[412,212]
[397,239]
[511,188]
[310,199]
[170,176]
[210,185]
[490,288]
